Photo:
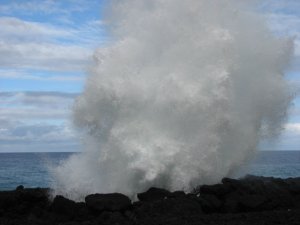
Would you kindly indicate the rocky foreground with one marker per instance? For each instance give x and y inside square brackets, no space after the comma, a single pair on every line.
[250,200]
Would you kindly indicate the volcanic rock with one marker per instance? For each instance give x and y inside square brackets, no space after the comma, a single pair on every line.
[109,202]
[62,205]
[153,194]
[209,203]
[250,200]
[218,190]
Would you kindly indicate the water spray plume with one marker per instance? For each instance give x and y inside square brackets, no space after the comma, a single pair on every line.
[180,97]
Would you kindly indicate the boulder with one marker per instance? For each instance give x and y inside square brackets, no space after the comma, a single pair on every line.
[209,203]
[23,201]
[231,203]
[218,190]
[8,200]
[153,194]
[62,205]
[20,188]
[293,185]
[252,202]
[33,195]
[176,194]
[180,207]
[107,202]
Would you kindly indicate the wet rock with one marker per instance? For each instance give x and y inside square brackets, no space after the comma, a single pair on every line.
[250,203]
[168,207]
[108,202]
[20,188]
[250,200]
[231,203]
[254,193]
[153,194]
[33,195]
[23,201]
[7,200]
[176,194]
[109,217]
[209,203]
[218,190]
[246,186]
[62,205]
[293,185]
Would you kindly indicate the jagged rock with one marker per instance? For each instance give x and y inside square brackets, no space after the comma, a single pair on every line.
[153,194]
[257,193]
[109,202]
[293,185]
[250,200]
[109,217]
[230,181]
[7,199]
[20,188]
[230,203]
[62,205]
[209,203]
[176,194]
[23,201]
[218,190]
[33,195]
[168,207]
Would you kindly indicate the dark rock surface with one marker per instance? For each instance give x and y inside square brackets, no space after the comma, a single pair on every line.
[107,202]
[153,194]
[250,200]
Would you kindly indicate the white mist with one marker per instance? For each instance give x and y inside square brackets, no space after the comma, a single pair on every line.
[180,97]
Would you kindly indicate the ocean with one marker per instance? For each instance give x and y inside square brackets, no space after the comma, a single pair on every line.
[28,169]
[31,169]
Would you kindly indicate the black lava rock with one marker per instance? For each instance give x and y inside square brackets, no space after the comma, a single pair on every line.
[153,194]
[108,202]
[250,200]
[218,190]
[210,203]
[62,205]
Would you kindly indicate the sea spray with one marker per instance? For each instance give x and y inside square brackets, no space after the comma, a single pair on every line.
[180,96]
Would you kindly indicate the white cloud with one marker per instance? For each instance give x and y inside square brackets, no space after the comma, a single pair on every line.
[36,105]
[284,23]
[37,133]
[25,75]
[43,41]
[35,45]
[297,47]
[48,7]
[293,128]
[20,137]
[33,114]
[16,29]
[283,18]
[30,7]
[44,56]
[281,5]
[288,140]
[36,121]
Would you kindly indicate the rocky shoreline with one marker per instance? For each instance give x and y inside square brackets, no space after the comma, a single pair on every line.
[250,200]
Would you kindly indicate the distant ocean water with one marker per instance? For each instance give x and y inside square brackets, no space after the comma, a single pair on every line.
[31,169]
[28,169]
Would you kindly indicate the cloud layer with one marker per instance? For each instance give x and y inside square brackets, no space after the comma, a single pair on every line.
[36,121]
[48,45]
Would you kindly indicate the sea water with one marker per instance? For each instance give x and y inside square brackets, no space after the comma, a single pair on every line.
[28,169]
[32,169]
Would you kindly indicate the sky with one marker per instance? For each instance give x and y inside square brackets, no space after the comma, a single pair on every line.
[46,47]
